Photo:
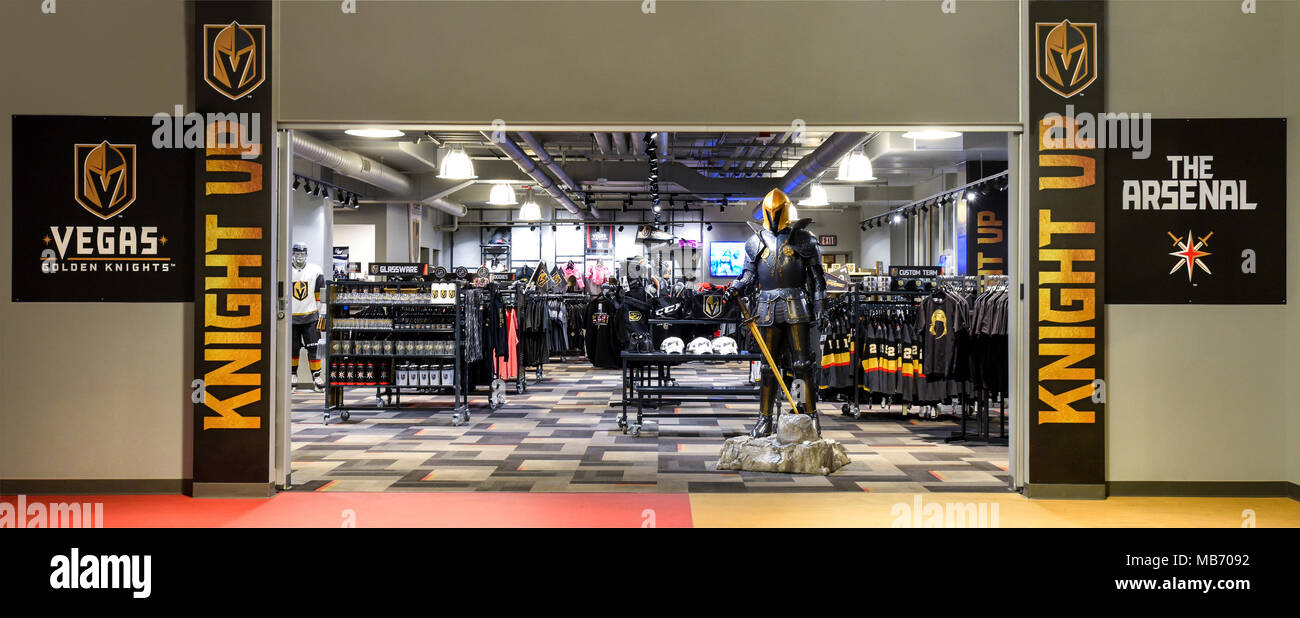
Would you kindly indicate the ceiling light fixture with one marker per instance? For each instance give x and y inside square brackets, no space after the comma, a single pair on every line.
[855,167]
[620,228]
[970,196]
[898,218]
[296,182]
[503,195]
[931,134]
[816,196]
[530,211]
[456,166]
[374,132]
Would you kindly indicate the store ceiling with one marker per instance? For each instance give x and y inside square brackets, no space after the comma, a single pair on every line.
[615,162]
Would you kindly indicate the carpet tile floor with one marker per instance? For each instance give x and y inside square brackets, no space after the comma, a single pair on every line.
[562,435]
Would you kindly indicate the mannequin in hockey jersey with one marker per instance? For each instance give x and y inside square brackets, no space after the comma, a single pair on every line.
[308,314]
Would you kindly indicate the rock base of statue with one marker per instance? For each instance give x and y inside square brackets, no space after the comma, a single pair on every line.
[794,448]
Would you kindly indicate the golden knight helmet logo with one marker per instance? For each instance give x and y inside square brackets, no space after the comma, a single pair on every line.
[713,306]
[234,58]
[1066,56]
[105,178]
[778,211]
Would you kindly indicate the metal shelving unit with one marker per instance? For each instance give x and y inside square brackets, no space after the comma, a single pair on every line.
[383,302]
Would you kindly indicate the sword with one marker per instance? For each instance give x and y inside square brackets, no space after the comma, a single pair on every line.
[753,329]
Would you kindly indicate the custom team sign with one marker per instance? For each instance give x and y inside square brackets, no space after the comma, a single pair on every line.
[233,208]
[99,214]
[1203,219]
[1065,294]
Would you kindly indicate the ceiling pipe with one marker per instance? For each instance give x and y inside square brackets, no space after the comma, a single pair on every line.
[546,160]
[350,164]
[526,164]
[818,161]
[602,143]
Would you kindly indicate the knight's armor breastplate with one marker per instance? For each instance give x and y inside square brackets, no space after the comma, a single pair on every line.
[782,265]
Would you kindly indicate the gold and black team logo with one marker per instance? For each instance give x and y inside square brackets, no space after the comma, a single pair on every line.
[234,58]
[938,323]
[712,306]
[1065,56]
[300,290]
[105,177]
[634,316]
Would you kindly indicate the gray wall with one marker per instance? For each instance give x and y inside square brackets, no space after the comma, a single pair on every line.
[94,390]
[690,62]
[1206,393]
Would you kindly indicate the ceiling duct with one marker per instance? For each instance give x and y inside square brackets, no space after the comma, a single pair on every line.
[350,164]
[602,143]
[818,161]
[527,165]
[452,208]
[546,160]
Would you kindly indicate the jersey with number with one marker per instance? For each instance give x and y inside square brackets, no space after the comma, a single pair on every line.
[308,282]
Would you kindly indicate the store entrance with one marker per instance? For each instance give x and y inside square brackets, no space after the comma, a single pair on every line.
[548,310]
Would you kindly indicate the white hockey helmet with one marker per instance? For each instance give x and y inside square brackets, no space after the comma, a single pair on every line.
[699,345]
[672,345]
[725,345]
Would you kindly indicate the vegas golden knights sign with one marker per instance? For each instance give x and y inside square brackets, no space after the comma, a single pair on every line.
[1065,291]
[233,215]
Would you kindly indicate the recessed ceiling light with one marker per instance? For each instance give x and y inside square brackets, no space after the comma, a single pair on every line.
[931,134]
[374,132]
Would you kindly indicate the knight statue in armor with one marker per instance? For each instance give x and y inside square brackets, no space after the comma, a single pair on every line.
[783,263]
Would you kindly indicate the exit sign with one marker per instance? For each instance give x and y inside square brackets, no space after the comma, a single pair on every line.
[827,240]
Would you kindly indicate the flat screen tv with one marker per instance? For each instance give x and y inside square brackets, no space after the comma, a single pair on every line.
[726,259]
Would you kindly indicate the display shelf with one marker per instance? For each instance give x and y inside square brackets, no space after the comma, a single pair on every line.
[661,356]
[692,322]
[648,382]
[450,321]
[357,303]
[422,331]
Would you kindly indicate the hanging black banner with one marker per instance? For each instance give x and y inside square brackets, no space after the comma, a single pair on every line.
[100,215]
[1203,218]
[986,233]
[1067,438]
[233,214]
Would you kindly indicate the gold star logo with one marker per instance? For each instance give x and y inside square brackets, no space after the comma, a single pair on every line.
[163,240]
[47,239]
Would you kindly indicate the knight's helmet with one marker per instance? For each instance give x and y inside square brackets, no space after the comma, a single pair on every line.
[1064,41]
[102,164]
[299,255]
[230,47]
[778,211]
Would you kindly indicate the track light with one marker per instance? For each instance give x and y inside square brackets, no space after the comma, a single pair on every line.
[532,228]
[655,208]
[554,227]
[970,196]
[709,227]
[620,228]
[296,181]
[898,218]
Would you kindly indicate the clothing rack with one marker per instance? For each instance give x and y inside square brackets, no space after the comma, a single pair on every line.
[983,400]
